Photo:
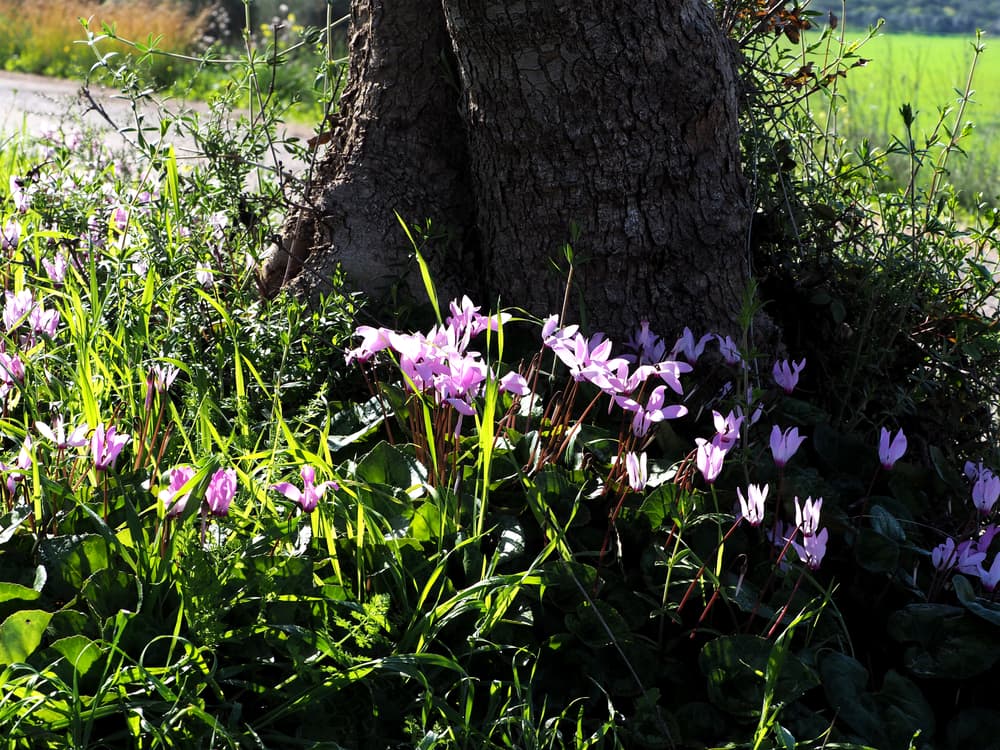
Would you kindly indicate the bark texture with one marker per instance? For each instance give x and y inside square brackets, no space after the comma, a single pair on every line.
[621,119]
[397,146]
[618,119]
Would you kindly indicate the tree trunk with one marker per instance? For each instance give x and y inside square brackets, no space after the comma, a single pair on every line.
[611,125]
[397,146]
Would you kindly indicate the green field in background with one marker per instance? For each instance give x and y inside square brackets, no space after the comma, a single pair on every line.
[928,72]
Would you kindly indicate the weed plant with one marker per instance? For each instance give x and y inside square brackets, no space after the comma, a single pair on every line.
[231,522]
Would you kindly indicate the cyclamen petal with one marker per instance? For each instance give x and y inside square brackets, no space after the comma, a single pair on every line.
[221,491]
[514,383]
[105,445]
[986,491]
[812,549]
[174,504]
[635,467]
[752,506]
[709,458]
[944,556]
[990,578]
[890,452]
[807,517]
[310,494]
[786,374]
[729,350]
[784,444]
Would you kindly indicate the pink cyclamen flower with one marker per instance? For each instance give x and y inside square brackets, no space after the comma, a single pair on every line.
[986,491]
[57,434]
[159,380]
[890,452]
[656,410]
[310,494]
[710,458]
[11,370]
[221,491]
[56,268]
[23,462]
[972,471]
[990,578]
[514,382]
[17,307]
[174,503]
[43,321]
[812,549]
[752,506]
[688,348]
[10,235]
[986,537]
[118,218]
[944,556]
[635,467]
[105,445]
[729,350]
[204,276]
[373,340]
[786,374]
[969,557]
[807,516]
[647,348]
[784,444]
[727,429]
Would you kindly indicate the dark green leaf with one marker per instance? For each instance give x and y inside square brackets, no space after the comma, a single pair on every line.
[974,728]
[845,682]
[886,524]
[944,641]
[875,552]
[736,667]
[597,625]
[387,465]
[989,611]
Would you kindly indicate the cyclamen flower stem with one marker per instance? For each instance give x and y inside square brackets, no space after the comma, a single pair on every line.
[675,534]
[163,448]
[770,576]
[868,494]
[141,441]
[381,402]
[565,433]
[152,435]
[686,471]
[104,485]
[611,524]
[777,506]
[572,432]
[701,570]
[784,609]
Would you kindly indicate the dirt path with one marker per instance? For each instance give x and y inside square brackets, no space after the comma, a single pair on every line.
[36,104]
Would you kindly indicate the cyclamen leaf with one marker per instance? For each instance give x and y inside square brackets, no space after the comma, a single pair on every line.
[21,634]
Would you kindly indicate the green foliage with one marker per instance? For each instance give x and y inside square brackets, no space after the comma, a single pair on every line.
[499,578]
[890,287]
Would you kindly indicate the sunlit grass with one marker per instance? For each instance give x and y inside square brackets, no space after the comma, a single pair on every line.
[928,72]
[49,31]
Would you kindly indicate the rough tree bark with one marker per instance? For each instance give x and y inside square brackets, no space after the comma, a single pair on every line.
[397,146]
[509,122]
